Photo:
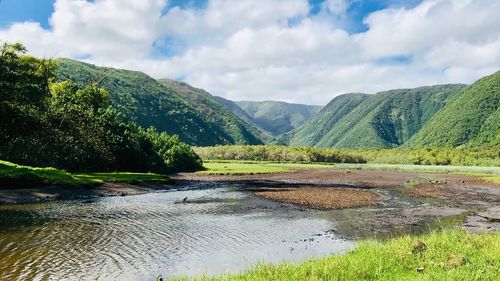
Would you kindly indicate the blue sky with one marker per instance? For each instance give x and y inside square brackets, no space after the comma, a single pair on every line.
[25,10]
[305,51]
[40,10]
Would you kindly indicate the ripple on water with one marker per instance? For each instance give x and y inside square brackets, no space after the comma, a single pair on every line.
[137,237]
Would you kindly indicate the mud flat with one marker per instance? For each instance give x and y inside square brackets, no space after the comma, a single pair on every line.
[321,198]
[378,200]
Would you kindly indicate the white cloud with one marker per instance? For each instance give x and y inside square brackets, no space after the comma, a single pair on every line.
[273,49]
[336,7]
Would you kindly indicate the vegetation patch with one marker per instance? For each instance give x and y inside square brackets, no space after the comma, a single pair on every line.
[479,156]
[448,255]
[216,168]
[73,126]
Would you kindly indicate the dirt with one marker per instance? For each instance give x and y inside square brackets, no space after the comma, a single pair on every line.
[321,198]
[396,199]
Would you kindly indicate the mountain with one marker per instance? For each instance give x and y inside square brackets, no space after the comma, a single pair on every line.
[240,131]
[471,117]
[315,129]
[383,120]
[148,102]
[277,117]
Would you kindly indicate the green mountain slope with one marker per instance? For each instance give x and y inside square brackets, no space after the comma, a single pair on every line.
[146,101]
[471,117]
[278,117]
[386,119]
[237,129]
[316,128]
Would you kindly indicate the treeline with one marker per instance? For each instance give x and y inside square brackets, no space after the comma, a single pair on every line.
[443,156]
[73,127]
[278,154]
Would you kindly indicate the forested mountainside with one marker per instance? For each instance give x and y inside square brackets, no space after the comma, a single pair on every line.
[472,118]
[277,117]
[434,116]
[146,101]
[315,129]
[239,130]
[386,119]
[74,127]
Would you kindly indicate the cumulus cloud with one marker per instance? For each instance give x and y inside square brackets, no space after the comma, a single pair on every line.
[276,49]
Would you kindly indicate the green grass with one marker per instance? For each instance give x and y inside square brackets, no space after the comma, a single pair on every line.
[13,175]
[449,255]
[490,174]
[254,167]
[475,170]
[124,177]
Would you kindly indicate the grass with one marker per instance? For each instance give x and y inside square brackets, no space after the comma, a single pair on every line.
[448,255]
[490,174]
[13,175]
[133,178]
[424,168]
[252,167]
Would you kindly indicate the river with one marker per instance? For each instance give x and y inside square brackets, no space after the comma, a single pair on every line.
[218,229]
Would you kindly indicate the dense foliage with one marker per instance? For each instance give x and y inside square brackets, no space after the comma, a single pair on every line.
[278,154]
[444,156]
[236,130]
[73,127]
[276,117]
[190,113]
[472,118]
[384,120]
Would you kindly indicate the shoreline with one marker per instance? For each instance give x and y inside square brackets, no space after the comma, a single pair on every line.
[435,195]
[42,194]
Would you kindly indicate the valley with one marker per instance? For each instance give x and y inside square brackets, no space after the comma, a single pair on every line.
[144,177]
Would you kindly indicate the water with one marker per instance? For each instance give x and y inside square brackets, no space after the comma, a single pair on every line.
[217,230]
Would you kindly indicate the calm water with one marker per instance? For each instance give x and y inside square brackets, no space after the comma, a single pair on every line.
[219,229]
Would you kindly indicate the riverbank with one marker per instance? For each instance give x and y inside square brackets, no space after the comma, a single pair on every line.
[24,184]
[448,255]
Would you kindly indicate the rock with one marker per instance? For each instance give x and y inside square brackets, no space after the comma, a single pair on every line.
[492,214]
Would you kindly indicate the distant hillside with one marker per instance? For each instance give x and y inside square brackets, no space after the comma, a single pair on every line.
[386,119]
[315,129]
[240,131]
[471,117]
[149,103]
[277,117]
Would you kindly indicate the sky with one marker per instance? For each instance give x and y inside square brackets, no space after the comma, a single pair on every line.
[304,51]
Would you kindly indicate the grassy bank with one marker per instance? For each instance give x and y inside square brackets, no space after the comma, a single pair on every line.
[449,255]
[13,175]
